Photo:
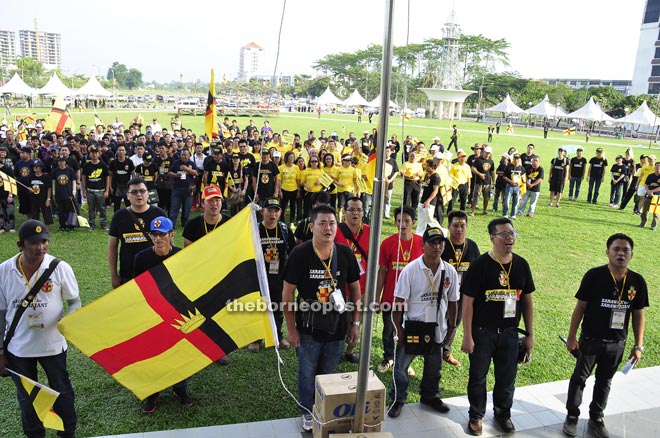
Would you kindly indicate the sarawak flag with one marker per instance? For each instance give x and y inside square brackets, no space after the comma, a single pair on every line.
[9,184]
[182,315]
[211,117]
[654,208]
[42,398]
[59,117]
[569,131]
[98,121]
[369,170]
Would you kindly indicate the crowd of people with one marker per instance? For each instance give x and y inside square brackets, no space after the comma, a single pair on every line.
[315,197]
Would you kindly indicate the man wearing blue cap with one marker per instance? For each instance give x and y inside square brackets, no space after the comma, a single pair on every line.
[162,236]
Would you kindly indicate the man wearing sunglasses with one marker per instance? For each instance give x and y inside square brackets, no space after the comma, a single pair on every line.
[130,226]
[496,291]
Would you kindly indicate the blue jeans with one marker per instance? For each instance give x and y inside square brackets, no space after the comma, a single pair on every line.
[429,387]
[607,357]
[511,194]
[532,197]
[315,358]
[615,193]
[180,200]
[594,188]
[574,183]
[502,348]
[58,379]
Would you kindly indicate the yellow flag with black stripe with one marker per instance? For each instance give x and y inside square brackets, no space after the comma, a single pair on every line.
[42,398]
[182,315]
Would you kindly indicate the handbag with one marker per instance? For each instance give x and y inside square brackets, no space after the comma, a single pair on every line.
[419,336]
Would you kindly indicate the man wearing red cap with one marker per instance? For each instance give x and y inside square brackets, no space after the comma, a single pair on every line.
[201,225]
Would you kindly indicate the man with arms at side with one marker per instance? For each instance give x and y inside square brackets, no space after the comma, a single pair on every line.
[427,292]
[459,252]
[317,269]
[496,293]
[129,226]
[396,251]
[608,296]
[652,187]
[36,338]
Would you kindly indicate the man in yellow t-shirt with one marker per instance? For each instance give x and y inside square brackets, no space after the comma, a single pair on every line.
[461,175]
[347,177]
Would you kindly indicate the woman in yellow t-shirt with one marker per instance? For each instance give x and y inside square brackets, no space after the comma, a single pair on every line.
[310,182]
[331,170]
[347,177]
[290,177]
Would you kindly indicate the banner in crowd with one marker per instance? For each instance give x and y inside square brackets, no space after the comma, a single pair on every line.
[182,315]
[43,398]
[59,117]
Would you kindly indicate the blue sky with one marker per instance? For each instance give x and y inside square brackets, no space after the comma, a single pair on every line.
[168,38]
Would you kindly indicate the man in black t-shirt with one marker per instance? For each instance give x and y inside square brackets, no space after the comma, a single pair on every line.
[608,296]
[597,167]
[96,186]
[533,181]
[430,189]
[64,180]
[576,174]
[265,182]
[528,156]
[318,269]
[148,171]
[496,293]
[483,171]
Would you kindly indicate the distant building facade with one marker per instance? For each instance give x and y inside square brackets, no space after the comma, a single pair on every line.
[41,46]
[7,48]
[249,62]
[646,77]
[622,86]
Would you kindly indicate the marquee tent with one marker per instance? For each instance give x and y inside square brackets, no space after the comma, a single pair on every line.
[376,103]
[356,99]
[546,109]
[641,116]
[506,106]
[590,111]
[93,88]
[55,87]
[328,98]
[17,86]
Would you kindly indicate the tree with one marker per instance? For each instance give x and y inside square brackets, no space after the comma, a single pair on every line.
[31,71]
[124,78]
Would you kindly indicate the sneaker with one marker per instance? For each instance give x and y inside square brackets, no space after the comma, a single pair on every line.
[183,397]
[597,428]
[385,365]
[395,410]
[570,425]
[224,360]
[505,424]
[2,230]
[472,213]
[550,205]
[11,230]
[654,228]
[150,403]
[253,347]
[436,403]
[475,427]
[514,217]
[411,372]
[306,421]
[485,212]
[558,206]
[351,357]
[530,215]
[451,360]
[284,344]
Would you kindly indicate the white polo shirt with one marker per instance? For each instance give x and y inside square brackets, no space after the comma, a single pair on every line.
[36,333]
[414,286]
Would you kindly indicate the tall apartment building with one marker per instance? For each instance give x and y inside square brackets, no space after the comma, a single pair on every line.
[7,47]
[249,62]
[646,77]
[42,46]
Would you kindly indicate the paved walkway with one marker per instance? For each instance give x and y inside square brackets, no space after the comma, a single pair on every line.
[538,411]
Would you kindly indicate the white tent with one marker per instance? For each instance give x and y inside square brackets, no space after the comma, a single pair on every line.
[92,88]
[16,86]
[590,111]
[356,99]
[55,87]
[328,98]
[641,116]
[546,109]
[376,103]
[506,106]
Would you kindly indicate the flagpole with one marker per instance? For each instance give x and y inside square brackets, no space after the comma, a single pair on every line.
[376,223]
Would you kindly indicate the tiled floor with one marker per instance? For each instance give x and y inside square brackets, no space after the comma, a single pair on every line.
[538,411]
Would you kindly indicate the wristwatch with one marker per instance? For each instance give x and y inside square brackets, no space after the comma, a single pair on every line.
[356,323]
[640,348]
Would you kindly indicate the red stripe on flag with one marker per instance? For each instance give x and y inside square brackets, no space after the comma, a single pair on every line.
[155,340]
[61,123]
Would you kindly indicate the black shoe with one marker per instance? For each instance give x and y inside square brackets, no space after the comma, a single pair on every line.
[597,428]
[395,410]
[436,404]
[351,357]
[150,403]
[570,425]
[183,397]
[505,424]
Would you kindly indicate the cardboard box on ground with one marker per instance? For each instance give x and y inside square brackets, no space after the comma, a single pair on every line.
[334,403]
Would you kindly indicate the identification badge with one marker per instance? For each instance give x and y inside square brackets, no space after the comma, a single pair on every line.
[274,267]
[35,321]
[358,257]
[618,319]
[510,307]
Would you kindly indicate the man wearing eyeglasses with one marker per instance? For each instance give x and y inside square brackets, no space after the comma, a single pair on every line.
[496,293]
[130,226]
[608,296]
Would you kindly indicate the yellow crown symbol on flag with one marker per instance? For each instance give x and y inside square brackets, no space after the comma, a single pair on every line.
[190,322]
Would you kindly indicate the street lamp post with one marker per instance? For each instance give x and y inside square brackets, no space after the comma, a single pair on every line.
[529,112]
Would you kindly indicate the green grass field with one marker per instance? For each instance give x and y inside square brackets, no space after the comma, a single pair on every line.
[560,245]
